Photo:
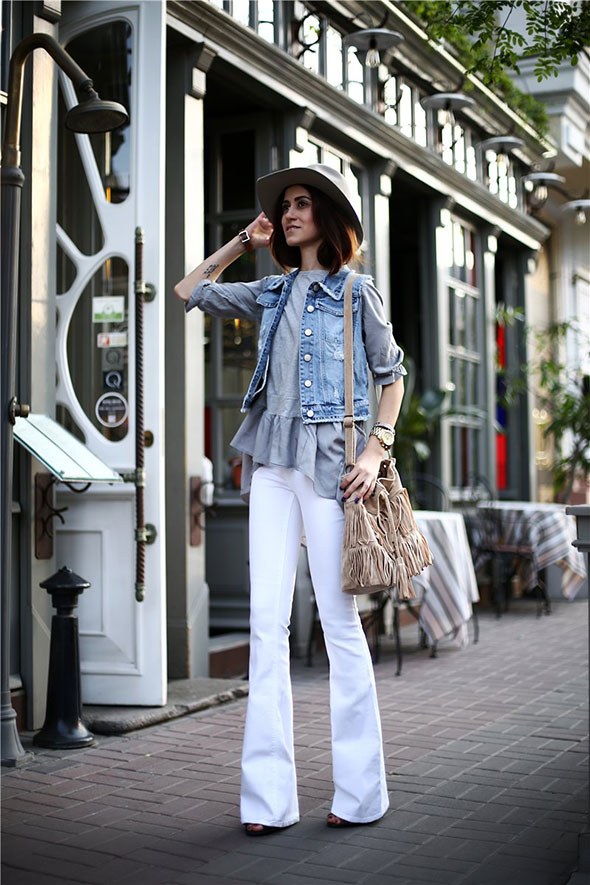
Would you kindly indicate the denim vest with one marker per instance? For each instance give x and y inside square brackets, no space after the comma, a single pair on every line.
[321,346]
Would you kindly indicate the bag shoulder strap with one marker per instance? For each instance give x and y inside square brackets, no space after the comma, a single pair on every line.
[349,431]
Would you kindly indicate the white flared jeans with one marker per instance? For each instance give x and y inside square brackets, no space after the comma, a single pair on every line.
[283,505]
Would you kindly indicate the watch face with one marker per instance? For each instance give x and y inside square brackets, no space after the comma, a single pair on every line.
[387,436]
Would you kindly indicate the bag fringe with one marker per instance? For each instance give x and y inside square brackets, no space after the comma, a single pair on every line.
[383,548]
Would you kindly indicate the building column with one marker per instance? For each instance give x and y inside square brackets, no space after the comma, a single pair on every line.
[188,592]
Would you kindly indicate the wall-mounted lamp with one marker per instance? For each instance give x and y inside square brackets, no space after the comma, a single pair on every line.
[580,207]
[448,102]
[537,186]
[373,44]
[503,145]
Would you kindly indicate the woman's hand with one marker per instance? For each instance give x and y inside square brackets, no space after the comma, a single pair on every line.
[360,482]
[260,231]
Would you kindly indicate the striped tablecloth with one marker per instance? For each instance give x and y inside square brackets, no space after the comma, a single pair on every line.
[449,584]
[549,531]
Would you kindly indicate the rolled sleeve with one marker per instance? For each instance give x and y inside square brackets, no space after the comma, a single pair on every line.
[384,356]
[230,300]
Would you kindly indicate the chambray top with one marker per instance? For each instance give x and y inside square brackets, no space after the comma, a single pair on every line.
[273,432]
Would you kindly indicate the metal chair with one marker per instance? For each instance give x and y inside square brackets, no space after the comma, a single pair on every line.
[427,492]
[499,542]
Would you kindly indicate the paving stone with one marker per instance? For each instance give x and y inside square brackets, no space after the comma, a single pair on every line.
[487,757]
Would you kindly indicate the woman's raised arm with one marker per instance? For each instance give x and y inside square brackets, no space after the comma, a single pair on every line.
[259,231]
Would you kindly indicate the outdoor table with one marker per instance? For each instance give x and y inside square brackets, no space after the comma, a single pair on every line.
[549,532]
[445,590]
[449,585]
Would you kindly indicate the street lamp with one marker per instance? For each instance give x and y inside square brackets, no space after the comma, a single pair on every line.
[90,115]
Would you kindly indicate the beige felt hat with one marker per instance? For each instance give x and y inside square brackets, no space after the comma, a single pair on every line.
[327,180]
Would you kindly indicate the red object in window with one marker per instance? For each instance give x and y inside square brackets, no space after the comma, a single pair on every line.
[501,345]
[501,461]
[501,438]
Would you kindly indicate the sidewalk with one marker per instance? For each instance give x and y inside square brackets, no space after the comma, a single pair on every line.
[486,753]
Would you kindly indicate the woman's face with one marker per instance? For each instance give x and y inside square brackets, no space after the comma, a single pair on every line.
[297,219]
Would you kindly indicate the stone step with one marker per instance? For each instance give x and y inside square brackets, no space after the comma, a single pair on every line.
[228,655]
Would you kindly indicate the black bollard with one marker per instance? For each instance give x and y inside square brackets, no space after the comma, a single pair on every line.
[63,729]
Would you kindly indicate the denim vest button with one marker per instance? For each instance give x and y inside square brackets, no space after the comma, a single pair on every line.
[310,413]
[307,357]
[308,332]
[315,287]
[307,383]
[310,308]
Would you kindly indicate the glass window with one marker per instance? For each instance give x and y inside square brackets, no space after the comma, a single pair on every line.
[76,212]
[97,337]
[390,99]
[420,134]
[405,110]
[98,342]
[334,58]
[230,344]
[241,11]
[237,181]
[456,246]
[266,20]
[309,36]
[355,77]
[105,54]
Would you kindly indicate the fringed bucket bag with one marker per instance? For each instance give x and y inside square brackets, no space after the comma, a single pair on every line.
[383,547]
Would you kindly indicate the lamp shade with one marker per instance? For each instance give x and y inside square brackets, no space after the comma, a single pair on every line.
[447,101]
[502,144]
[382,37]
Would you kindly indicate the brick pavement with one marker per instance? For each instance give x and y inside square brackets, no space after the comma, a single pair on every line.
[486,754]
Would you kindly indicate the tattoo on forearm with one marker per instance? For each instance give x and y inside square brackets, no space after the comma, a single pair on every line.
[209,270]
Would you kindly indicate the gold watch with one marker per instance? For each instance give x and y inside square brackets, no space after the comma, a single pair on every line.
[384,435]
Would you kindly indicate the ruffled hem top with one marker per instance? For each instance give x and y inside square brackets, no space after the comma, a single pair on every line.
[317,450]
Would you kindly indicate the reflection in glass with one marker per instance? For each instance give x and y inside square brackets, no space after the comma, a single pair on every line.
[105,53]
[405,110]
[237,184]
[460,317]
[266,28]
[390,99]
[98,349]
[471,163]
[355,77]
[420,134]
[334,64]
[76,212]
[458,248]
[238,355]
[309,35]
[241,11]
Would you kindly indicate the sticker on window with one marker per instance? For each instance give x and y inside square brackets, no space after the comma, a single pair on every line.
[111,339]
[109,309]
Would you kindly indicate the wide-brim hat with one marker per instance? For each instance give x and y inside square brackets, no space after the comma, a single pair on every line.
[327,180]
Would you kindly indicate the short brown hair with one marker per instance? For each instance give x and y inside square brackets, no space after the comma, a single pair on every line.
[339,241]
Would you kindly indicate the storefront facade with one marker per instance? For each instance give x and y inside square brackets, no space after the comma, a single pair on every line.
[218,94]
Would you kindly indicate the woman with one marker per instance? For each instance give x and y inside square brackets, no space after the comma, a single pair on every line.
[292,445]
